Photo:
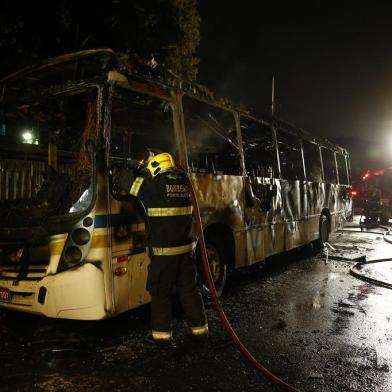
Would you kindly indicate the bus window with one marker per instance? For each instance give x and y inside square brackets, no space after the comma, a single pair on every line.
[312,161]
[342,169]
[211,138]
[290,156]
[139,122]
[259,149]
[329,165]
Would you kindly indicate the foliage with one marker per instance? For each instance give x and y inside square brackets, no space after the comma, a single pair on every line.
[165,29]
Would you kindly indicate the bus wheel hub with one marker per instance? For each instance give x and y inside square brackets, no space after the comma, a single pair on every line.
[215,264]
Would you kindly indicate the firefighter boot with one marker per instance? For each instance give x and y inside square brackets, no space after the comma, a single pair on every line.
[162,339]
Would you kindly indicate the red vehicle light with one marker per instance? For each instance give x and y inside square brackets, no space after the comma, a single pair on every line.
[353,193]
[122,259]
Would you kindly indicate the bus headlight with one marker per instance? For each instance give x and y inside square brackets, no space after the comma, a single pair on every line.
[81,236]
[72,256]
[78,244]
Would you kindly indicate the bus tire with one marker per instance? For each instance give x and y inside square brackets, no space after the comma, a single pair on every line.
[217,259]
[323,230]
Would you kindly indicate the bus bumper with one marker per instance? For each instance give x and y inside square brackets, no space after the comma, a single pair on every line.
[77,294]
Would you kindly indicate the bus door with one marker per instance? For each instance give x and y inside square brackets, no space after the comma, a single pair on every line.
[263,201]
[138,122]
[332,189]
[294,188]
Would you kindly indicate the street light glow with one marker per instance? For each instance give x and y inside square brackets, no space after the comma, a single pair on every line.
[27,137]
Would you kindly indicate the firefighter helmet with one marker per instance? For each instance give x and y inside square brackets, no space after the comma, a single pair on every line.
[160,163]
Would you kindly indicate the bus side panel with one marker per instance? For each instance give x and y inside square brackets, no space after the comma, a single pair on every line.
[296,234]
[274,243]
[129,259]
[325,196]
[342,207]
[274,238]
[331,193]
[130,277]
[264,229]
[138,294]
[255,240]
[316,203]
[295,212]
[344,204]
[221,200]
[312,225]
[331,203]
[255,236]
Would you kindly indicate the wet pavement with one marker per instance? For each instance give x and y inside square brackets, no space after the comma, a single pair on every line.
[311,323]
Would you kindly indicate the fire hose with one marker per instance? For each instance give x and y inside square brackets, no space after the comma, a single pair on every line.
[218,306]
[355,270]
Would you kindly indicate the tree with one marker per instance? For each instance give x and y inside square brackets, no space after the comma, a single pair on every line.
[165,29]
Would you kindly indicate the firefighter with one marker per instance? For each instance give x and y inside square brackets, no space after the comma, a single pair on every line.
[165,195]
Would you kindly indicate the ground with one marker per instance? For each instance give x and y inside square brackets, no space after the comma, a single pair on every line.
[310,322]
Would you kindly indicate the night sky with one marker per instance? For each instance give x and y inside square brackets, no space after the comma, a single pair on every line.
[332,62]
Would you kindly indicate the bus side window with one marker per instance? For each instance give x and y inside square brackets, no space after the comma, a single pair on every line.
[312,161]
[290,156]
[342,169]
[259,149]
[329,165]
[211,138]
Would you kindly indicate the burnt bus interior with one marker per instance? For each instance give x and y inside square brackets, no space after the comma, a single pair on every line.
[138,122]
[34,184]
[259,149]
[271,149]
[211,139]
[213,147]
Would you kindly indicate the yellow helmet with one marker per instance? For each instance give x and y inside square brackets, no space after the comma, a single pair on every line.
[159,163]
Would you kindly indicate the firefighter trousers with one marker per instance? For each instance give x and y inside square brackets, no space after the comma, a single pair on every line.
[169,272]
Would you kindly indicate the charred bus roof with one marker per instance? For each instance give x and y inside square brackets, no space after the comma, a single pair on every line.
[96,60]
[96,64]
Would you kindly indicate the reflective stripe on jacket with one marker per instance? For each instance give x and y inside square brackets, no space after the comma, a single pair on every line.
[167,201]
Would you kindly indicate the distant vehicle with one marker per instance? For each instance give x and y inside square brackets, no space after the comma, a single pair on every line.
[73,246]
[374,195]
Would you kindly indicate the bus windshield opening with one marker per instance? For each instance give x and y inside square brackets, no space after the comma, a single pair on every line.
[46,165]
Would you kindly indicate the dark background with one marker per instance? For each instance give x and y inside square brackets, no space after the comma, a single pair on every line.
[332,64]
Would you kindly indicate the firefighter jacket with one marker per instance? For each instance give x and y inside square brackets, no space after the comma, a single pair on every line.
[169,211]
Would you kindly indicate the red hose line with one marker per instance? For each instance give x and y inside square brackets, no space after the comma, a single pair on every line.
[229,329]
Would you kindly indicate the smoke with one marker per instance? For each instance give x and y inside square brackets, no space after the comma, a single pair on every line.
[212,145]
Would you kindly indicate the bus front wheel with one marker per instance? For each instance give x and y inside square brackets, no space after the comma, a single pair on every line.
[218,266]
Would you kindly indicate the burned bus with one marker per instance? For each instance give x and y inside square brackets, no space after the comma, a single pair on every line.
[72,245]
